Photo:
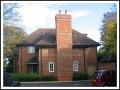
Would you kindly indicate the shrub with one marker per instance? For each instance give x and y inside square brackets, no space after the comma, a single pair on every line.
[31,77]
[80,76]
[25,77]
[48,78]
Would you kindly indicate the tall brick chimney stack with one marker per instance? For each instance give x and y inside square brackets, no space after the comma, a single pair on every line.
[64,46]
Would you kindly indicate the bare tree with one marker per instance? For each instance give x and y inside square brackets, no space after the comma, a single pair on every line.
[10,13]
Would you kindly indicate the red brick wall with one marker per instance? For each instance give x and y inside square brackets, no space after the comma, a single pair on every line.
[24,56]
[91,59]
[79,57]
[50,55]
[64,47]
[91,55]
[47,55]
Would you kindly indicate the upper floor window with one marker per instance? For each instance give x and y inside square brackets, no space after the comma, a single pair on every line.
[51,66]
[31,49]
[75,66]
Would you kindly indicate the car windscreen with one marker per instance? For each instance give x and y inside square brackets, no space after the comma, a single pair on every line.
[97,75]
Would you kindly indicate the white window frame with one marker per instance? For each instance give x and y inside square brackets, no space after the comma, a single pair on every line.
[31,49]
[51,63]
[75,66]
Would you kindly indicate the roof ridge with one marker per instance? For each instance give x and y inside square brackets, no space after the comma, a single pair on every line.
[46,28]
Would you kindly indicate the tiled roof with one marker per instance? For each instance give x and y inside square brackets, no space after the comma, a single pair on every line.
[47,37]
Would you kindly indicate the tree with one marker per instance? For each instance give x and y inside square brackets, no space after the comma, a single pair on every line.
[10,13]
[108,32]
[12,36]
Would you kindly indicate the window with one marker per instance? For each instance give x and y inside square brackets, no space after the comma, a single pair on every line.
[31,49]
[75,66]
[51,66]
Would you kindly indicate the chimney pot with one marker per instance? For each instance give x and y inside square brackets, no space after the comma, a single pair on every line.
[65,12]
[59,11]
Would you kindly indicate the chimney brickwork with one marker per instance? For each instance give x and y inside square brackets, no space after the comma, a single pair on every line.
[64,47]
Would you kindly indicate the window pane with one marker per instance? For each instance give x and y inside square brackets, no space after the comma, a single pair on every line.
[31,49]
[51,66]
[75,66]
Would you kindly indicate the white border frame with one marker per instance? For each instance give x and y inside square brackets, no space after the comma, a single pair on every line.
[117,2]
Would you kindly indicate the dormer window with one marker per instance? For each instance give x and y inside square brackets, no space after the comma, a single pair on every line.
[31,49]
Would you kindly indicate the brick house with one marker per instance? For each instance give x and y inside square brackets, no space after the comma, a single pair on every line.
[59,52]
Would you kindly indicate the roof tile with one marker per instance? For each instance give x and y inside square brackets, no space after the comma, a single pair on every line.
[46,36]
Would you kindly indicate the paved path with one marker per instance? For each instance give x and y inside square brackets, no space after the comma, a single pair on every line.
[81,83]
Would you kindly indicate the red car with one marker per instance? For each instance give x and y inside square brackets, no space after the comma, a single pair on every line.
[104,78]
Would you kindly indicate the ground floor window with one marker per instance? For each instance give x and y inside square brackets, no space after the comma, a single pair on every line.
[75,66]
[51,66]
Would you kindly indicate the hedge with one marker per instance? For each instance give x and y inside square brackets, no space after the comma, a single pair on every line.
[25,77]
[80,76]
[36,77]
[31,77]
[48,78]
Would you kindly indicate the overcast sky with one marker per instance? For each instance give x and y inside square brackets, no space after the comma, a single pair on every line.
[86,17]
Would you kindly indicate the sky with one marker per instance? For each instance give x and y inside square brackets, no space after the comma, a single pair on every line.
[86,17]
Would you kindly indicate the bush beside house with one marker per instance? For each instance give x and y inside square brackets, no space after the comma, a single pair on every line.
[80,76]
[31,77]
[35,77]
